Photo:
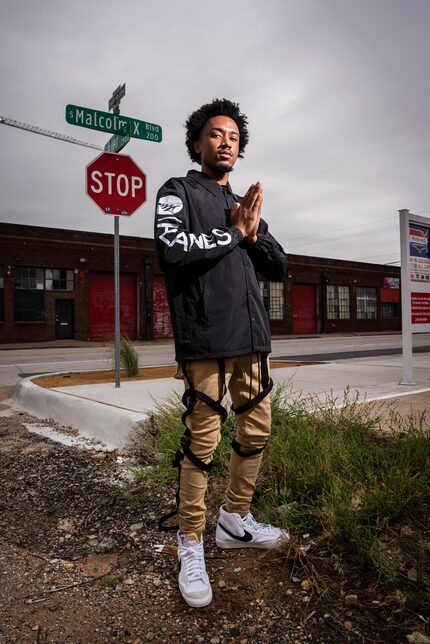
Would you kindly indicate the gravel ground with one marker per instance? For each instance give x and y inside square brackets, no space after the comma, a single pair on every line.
[78,563]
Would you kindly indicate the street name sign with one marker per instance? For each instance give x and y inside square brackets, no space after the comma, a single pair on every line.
[113,123]
[116,184]
[116,97]
[117,142]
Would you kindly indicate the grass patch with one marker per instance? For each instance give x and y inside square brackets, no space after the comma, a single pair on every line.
[329,470]
[129,358]
[109,581]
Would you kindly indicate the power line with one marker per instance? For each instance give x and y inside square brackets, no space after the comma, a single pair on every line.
[375,257]
[52,135]
[337,238]
[328,232]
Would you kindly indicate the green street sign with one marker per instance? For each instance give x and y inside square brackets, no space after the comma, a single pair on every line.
[117,142]
[113,123]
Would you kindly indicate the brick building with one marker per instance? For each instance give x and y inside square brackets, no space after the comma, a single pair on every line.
[58,284]
[331,296]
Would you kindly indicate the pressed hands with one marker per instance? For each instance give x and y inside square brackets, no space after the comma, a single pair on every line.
[246,215]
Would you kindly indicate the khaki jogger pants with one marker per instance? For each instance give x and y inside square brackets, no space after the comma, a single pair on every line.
[253,429]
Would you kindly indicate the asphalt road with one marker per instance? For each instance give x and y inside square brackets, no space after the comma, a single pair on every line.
[17,362]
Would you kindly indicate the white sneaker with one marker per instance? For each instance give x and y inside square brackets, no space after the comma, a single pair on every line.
[233,531]
[193,580]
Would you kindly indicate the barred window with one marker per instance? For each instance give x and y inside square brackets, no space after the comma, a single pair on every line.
[273,296]
[29,294]
[276,311]
[28,278]
[338,307]
[58,279]
[264,290]
[390,310]
[367,303]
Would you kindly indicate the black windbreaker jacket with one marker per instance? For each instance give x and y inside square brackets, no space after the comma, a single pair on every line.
[215,302]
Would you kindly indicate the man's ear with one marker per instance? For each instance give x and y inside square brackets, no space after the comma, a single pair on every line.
[196,146]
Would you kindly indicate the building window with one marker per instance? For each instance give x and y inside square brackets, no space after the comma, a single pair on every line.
[390,310]
[273,296]
[29,278]
[367,303]
[29,295]
[1,295]
[264,290]
[58,279]
[337,302]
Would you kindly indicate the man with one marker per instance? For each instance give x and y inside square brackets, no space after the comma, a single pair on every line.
[210,243]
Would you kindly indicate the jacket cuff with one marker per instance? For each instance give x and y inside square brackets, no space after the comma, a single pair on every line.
[260,242]
[237,235]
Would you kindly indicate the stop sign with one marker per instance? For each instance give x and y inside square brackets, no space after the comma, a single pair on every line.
[116,183]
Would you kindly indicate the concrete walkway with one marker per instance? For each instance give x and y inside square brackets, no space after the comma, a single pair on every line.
[109,414]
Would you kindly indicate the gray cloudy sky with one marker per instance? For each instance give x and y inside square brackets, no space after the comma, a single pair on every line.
[337,93]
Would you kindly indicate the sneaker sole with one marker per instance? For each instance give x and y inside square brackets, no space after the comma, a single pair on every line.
[229,545]
[199,602]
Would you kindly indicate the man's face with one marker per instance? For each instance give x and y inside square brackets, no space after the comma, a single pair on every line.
[218,146]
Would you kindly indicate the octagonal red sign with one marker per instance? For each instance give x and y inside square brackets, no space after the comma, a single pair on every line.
[116,184]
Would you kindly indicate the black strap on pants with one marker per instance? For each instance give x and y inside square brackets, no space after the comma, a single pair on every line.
[267,385]
[245,453]
[188,399]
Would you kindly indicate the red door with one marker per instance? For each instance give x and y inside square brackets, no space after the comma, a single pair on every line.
[304,305]
[161,324]
[101,306]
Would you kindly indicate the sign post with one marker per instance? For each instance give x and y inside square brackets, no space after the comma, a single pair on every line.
[116,271]
[115,144]
[415,283]
[115,182]
[118,186]
[117,141]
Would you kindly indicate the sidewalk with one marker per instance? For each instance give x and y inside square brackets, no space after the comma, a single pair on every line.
[70,344]
[109,414]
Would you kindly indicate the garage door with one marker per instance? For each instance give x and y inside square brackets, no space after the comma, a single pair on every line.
[304,308]
[161,324]
[101,306]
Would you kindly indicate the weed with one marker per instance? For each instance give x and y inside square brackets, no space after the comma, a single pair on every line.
[110,581]
[129,358]
[331,469]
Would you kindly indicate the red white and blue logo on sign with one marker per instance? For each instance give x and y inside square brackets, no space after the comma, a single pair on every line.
[419,241]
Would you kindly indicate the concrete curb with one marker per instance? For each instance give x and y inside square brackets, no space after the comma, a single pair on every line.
[111,425]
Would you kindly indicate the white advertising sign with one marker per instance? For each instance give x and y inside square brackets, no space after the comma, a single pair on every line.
[415,277]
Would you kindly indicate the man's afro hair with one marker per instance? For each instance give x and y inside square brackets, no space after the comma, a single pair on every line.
[218,107]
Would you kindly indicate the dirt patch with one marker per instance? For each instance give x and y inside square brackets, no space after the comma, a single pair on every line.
[102,377]
[77,537]
[6,392]
[400,412]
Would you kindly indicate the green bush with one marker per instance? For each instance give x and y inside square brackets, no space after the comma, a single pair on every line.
[129,357]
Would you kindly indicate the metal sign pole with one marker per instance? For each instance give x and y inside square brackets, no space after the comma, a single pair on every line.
[117,311]
[407,376]
[114,104]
